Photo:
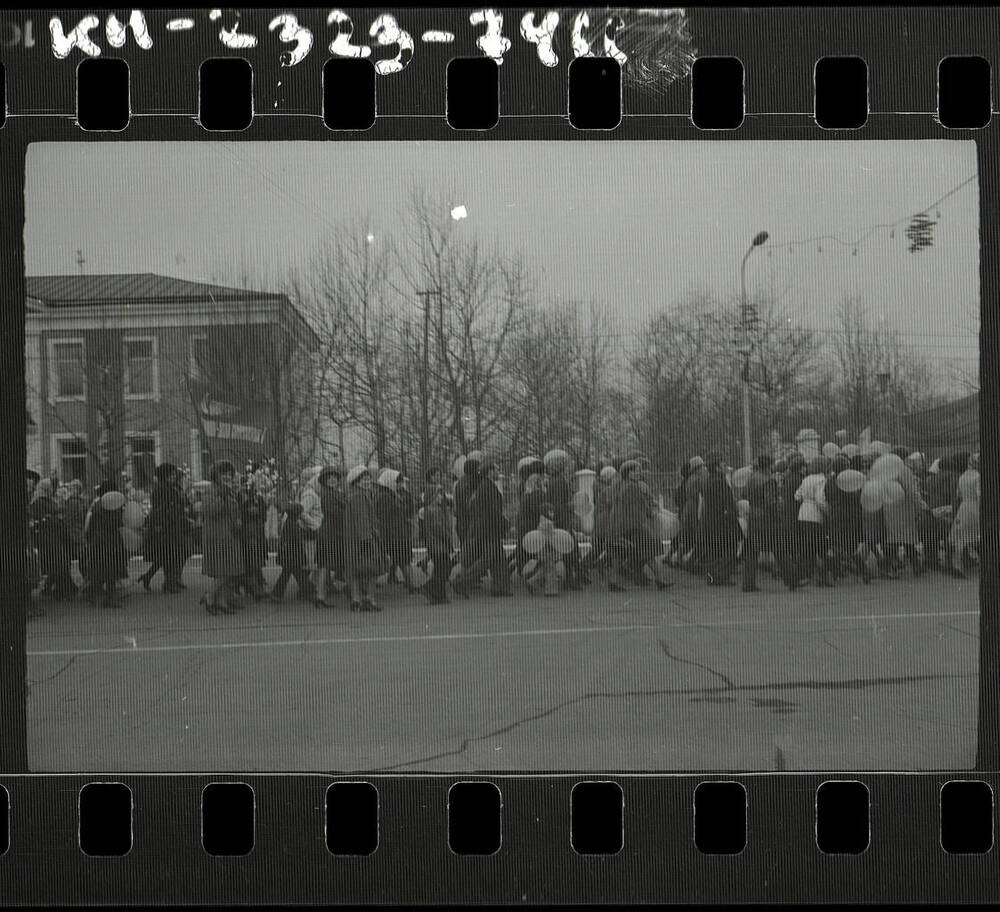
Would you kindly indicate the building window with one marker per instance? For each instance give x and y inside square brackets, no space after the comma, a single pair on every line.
[66,375]
[144,454]
[71,459]
[141,369]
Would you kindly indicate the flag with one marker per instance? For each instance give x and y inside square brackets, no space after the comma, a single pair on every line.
[227,417]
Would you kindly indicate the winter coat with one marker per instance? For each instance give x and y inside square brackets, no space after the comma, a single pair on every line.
[393,526]
[291,552]
[437,528]
[106,554]
[330,539]
[363,547]
[74,513]
[720,532]
[529,512]
[558,494]
[845,519]
[52,535]
[811,495]
[965,528]
[253,514]
[312,511]
[222,554]
[463,492]
[694,487]
[487,524]
[900,518]
[764,521]
[167,525]
[603,505]
[940,489]
[789,487]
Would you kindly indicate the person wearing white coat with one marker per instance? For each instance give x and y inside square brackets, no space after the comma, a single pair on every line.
[311,520]
[965,528]
[811,495]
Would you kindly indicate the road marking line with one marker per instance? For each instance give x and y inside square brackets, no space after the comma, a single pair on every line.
[341,641]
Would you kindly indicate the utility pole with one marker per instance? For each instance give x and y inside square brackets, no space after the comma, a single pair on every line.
[759,239]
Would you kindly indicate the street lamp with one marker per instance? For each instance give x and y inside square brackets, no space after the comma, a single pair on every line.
[759,238]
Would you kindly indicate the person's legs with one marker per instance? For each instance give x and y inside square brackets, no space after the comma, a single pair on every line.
[278,592]
[751,550]
[301,583]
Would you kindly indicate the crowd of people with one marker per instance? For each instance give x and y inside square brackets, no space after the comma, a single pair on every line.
[866,515]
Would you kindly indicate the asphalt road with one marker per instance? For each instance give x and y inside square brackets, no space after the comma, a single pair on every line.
[882,677]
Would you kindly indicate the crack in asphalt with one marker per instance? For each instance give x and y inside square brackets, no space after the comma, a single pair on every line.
[729,684]
[973,636]
[850,684]
[54,675]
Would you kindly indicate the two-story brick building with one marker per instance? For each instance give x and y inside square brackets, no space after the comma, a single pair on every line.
[111,360]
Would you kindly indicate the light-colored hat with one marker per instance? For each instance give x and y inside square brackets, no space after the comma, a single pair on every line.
[696,462]
[554,458]
[308,476]
[387,479]
[608,472]
[356,473]
[476,456]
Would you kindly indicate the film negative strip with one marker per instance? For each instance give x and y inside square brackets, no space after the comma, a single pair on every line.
[499,455]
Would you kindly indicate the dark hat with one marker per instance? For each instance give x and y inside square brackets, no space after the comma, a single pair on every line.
[472,468]
[841,462]
[327,472]
[901,451]
[223,467]
[293,509]
[164,470]
[33,475]
[535,467]
[764,461]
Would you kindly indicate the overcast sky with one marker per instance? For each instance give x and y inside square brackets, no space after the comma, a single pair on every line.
[639,224]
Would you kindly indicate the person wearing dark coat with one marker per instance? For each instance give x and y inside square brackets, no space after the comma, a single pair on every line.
[720,528]
[253,519]
[330,537]
[678,545]
[846,523]
[54,541]
[223,558]
[940,488]
[166,530]
[790,539]
[394,527]
[690,516]
[558,493]
[463,492]
[764,526]
[74,512]
[364,555]
[291,555]
[437,536]
[483,548]
[107,556]
[529,508]
[634,542]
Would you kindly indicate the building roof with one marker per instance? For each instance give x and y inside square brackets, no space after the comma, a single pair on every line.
[147,287]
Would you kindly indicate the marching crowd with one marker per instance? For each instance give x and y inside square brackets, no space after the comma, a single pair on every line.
[866,514]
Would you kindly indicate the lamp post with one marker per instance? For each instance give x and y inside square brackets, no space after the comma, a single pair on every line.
[759,238]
